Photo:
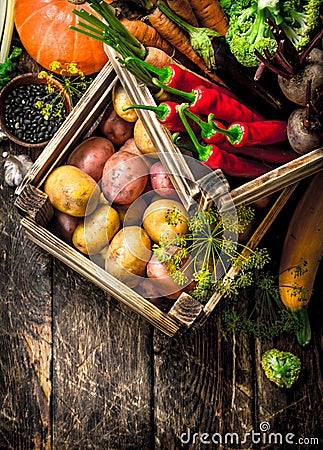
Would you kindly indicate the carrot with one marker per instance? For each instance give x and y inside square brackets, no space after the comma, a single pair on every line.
[183,9]
[210,14]
[158,58]
[147,35]
[179,39]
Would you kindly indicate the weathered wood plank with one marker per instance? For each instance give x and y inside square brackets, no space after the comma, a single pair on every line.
[203,384]
[102,369]
[25,358]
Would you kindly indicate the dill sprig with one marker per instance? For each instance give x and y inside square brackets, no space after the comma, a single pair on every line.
[209,248]
[74,83]
[256,309]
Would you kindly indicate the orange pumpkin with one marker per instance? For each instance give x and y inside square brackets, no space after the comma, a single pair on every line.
[43,28]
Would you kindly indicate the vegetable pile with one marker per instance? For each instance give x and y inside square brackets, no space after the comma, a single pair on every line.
[241,85]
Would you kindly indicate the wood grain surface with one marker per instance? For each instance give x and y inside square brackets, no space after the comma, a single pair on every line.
[78,370]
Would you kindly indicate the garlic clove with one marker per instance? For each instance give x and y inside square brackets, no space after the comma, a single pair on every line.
[16,167]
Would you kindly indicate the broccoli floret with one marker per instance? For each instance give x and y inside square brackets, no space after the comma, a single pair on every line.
[282,368]
[249,30]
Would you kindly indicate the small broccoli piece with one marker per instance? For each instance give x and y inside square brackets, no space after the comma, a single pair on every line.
[282,368]
[249,30]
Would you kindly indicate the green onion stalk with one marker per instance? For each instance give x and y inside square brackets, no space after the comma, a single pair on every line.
[112,32]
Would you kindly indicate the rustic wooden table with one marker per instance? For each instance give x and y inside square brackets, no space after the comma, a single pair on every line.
[80,371]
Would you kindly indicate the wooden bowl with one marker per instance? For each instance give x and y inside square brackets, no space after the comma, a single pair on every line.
[28,79]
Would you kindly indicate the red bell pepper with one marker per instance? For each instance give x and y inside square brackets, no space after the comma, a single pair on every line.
[203,100]
[176,76]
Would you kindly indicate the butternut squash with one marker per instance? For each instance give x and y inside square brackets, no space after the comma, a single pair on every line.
[303,249]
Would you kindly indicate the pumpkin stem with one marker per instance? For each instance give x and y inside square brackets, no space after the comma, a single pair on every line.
[77,2]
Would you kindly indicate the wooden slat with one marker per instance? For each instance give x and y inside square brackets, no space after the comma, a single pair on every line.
[25,333]
[279,178]
[203,385]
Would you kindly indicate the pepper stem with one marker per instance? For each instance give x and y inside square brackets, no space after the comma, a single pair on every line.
[176,139]
[188,96]
[164,73]
[203,150]
[161,110]
[209,128]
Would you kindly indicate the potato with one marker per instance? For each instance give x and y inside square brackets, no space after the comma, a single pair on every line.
[114,128]
[132,214]
[130,147]
[165,217]
[160,181]
[142,139]
[121,100]
[64,225]
[124,178]
[91,155]
[128,255]
[72,191]
[157,272]
[97,230]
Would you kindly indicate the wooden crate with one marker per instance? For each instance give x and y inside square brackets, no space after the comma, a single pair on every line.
[36,210]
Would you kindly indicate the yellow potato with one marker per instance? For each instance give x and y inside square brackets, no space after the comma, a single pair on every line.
[97,230]
[132,213]
[120,100]
[72,191]
[165,217]
[142,139]
[128,255]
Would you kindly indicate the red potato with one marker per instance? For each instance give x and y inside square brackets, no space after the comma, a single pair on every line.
[125,176]
[165,284]
[160,181]
[130,147]
[115,128]
[91,155]
[64,225]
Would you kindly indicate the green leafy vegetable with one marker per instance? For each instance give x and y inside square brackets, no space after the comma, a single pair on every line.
[248,27]
[281,367]
[252,303]
[8,69]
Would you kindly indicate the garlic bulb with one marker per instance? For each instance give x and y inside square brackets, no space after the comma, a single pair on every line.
[16,168]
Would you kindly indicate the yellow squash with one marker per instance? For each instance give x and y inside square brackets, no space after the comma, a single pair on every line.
[302,252]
